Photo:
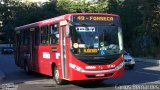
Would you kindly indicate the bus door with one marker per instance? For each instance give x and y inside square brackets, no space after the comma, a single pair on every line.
[63,52]
[32,47]
[17,48]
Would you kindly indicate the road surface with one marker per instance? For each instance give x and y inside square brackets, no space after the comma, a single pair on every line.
[17,79]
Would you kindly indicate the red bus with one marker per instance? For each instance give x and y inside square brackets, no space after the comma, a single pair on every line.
[72,47]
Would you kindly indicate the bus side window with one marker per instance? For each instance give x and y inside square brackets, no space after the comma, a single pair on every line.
[37,36]
[54,35]
[26,37]
[44,35]
[22,37]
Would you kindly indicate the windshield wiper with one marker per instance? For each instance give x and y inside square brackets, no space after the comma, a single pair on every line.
[74,24]
[111,24]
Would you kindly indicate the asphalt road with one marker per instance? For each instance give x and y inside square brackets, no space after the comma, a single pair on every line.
[144,76]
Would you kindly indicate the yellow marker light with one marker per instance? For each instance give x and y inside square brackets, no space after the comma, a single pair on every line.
[90,51]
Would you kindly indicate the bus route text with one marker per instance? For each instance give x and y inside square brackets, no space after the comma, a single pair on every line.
[95,18]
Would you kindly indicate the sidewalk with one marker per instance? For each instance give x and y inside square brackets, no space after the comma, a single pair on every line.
[2,76]
[148,60]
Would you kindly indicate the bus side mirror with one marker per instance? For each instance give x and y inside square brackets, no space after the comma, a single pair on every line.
[67,31]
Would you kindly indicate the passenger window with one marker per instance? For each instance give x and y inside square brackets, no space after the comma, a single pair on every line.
[44,35]
[26,37]
[36,36]
[22,37]
[54,34]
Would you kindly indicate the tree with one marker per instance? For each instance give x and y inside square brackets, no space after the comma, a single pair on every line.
[71,6]
[15,13]
[7,17]
[152,24]
[140,18]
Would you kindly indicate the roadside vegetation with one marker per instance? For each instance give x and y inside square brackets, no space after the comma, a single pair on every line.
[140,19]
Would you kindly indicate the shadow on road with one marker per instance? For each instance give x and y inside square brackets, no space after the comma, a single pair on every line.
[16,75]
[139,75]
[91,84]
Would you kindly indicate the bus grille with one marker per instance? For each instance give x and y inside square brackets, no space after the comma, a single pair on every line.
[100,61]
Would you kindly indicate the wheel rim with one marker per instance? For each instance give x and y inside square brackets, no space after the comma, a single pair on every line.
[57,75]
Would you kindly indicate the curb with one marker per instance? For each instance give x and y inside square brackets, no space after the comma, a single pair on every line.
[148,60]
[2,76]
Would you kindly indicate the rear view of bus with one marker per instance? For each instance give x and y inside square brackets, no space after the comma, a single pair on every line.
[95,47]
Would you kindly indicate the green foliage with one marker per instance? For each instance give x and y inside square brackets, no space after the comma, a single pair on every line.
[15,13]
[140,18]
[114,6]
[68,6]
[140,22]
[151,17]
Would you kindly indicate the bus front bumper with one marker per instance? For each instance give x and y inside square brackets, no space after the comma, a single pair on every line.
[80,74]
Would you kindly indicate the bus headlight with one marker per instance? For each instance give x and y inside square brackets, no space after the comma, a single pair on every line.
[75,67]
[119,66]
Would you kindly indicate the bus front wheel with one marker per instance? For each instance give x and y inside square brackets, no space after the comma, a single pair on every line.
[56,77]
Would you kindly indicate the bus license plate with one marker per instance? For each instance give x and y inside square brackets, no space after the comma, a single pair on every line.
[100,75]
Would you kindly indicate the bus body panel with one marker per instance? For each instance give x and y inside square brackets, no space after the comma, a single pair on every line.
[44,56]
[77,75]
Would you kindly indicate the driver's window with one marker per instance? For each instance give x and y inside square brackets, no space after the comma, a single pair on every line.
[54,34]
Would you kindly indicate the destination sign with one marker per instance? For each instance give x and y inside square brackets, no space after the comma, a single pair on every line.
[95,18]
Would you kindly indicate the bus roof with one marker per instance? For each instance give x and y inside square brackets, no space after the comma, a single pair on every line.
[57,19]
[105,14]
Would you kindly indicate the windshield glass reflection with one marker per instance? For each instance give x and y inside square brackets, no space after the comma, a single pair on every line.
[100,40]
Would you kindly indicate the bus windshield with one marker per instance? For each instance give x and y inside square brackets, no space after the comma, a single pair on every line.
[97,40]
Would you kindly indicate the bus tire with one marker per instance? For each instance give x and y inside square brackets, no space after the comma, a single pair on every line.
[56,77]
[26,68]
